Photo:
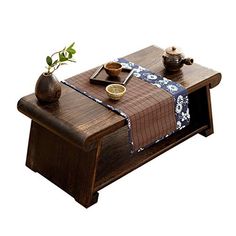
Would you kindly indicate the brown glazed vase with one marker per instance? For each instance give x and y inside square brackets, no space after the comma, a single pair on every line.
[47,88]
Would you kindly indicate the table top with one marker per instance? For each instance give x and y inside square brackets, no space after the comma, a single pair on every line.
[82,121]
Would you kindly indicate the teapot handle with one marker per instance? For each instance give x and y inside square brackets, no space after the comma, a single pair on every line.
[188,61]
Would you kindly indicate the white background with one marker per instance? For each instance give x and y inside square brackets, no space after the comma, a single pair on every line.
[189,190]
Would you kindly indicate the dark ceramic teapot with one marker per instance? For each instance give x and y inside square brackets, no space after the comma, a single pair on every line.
[173,59]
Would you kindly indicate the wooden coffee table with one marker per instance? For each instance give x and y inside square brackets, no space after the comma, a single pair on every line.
[81,146]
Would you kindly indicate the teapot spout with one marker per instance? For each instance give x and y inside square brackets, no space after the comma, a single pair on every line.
[187,61]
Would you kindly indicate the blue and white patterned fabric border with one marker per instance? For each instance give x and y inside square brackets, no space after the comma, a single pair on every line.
[178,92]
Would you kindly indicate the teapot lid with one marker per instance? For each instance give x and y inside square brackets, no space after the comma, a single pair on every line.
[173,51]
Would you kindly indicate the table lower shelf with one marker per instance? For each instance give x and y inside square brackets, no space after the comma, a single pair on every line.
[121,163]
[116,161]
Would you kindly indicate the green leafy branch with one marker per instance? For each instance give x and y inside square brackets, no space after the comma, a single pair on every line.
[60,58]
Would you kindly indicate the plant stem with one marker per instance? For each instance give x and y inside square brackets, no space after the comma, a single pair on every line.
[55,68]
[57,53]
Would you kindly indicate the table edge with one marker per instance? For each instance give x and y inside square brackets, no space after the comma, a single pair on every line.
[83,140]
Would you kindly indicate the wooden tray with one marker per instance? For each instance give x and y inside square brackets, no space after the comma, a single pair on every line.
[101,77]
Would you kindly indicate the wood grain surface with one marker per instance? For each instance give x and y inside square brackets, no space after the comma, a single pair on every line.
[80,120]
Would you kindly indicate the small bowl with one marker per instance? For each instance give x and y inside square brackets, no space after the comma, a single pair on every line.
[113,68]
[115,91]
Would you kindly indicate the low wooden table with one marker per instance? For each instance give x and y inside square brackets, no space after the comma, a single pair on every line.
[82,146]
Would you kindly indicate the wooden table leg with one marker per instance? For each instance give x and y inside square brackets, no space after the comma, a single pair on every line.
[66,165]
[210,129]
[87,175]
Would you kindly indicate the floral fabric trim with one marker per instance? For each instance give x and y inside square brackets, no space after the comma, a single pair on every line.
[178,92]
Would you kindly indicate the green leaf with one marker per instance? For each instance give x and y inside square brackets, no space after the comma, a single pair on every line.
[49,60]
[71,50]
[62,57]
[71,46]
[70,55]
[55,62]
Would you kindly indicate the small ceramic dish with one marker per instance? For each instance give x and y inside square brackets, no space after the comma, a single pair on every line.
[115,91]
[113,68]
